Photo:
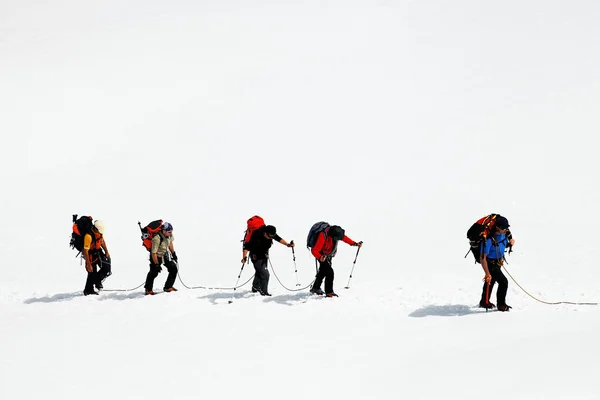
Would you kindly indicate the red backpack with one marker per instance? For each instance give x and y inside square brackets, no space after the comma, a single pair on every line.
[253,224]
[149,231]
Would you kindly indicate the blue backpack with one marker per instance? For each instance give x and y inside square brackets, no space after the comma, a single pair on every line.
[317,228]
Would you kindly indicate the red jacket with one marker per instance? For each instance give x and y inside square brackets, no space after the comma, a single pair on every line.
[325,246]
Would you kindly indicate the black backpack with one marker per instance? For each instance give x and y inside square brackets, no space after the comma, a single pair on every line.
[313,234]
[480,231]
[81,226]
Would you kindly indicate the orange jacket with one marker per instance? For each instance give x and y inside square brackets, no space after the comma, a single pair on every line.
[325,246]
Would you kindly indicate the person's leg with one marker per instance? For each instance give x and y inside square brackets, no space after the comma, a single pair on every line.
[104,271]
[256,281]
[91,279]
[488,287]
[172,268]
[502,289]
[486,293]
[152,274]
[261,267]
[319,278]
[328,272]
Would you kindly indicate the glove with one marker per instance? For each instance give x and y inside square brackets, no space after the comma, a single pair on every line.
[174,256]
[244,259]
[156,267]
[487,278]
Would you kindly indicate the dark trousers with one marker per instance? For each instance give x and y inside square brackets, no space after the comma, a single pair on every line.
[261,276]
[155,269]
[101,269]
[497,276]
[325,272]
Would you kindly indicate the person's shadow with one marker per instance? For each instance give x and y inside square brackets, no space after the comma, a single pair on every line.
[122,295]
[61,297]
[450,310]
[232,296]
[290,299]
[286,299]
[55,298]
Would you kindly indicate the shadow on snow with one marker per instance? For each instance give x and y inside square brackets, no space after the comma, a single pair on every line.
[288,300]
[450,310]
[60,297]
[55,298]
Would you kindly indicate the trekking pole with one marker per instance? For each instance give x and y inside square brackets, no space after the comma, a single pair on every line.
[353,265]
[295,267]
[236,283]
[487,295]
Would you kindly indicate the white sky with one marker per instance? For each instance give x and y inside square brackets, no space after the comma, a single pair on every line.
[401,121]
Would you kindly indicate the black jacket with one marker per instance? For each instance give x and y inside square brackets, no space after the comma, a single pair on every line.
[259,245]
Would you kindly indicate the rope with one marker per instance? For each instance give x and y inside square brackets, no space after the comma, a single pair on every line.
[123,290]
[184,285]
[286,288]
[547,302]
[212,288]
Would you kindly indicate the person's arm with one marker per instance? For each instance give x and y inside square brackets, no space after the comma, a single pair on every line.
[283,242]
[483,259]
[105,248]
[153,252]
[246,249]
[316,250]
[351,242]
[87,243]
[511,241]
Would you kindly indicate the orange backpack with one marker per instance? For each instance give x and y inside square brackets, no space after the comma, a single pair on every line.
[149,231]
[253,224]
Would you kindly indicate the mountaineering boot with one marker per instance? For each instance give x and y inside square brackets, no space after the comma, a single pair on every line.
[332,295]
[88,292]
[487,305]
[169,290]
[254,290]
[317,291]
[99,286]
[504,307]
[149,292]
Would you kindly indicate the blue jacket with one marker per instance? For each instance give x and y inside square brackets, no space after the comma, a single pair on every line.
[495,251]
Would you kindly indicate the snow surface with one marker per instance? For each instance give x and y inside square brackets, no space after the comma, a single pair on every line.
[402,121]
